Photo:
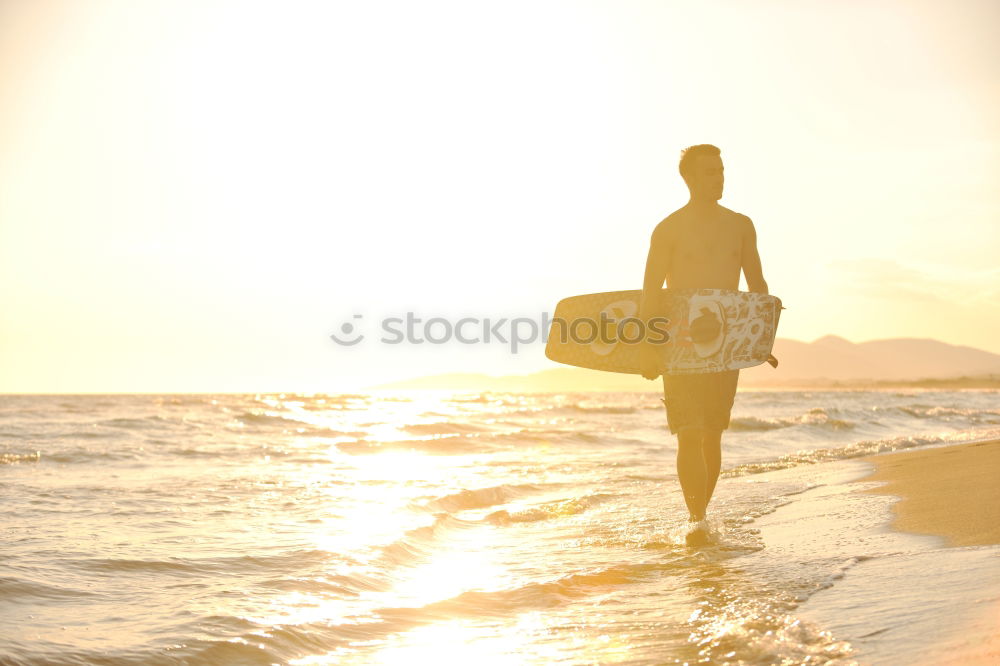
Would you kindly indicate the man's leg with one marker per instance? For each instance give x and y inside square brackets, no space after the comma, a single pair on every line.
[691,471]
[711,449]
[720,393]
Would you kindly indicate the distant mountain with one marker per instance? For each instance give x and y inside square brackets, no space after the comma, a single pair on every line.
[830,360]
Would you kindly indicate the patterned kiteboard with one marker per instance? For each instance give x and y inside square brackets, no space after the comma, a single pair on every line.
[603,332]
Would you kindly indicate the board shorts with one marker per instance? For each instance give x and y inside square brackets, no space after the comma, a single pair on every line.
[702,401]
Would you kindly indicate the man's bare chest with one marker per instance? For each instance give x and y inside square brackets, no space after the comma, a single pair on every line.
[717,241]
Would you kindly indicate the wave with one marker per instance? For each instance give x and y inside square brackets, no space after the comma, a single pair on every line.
[417,544]
[288,423]
[137,423]
[831,419]
[855,450]
[754,423]
[250,642]
[920,411]
[230,565]
[184,400]
[567,507]
[579,409]
[817,417]
[89,434]
[456,444]
[337,402]
[532,595]
[555,436]
[583,408]
[442,428]
[480,498]
[338,586]
[440,445]
[75,456]
[189,452]
[262,418]
[11,588]
[481,398]
[120,565]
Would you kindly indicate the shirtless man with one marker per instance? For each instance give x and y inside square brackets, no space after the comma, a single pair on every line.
[700,246]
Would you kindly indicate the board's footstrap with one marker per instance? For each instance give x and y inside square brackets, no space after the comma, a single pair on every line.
[772,360]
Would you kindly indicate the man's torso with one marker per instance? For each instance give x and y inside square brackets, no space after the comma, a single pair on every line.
[703,251]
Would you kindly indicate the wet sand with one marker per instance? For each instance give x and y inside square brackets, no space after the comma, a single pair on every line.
[952,491]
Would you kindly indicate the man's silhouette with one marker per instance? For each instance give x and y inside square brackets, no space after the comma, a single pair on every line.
[700,246]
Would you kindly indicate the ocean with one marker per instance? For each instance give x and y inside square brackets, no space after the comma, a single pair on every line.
[435,527]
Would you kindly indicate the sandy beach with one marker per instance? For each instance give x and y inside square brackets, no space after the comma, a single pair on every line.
[951,491]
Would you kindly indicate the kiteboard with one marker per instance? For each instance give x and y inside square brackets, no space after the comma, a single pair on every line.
[691,330]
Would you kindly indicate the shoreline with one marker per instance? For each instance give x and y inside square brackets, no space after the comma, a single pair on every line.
[950,492]
[909,599]
[947,491]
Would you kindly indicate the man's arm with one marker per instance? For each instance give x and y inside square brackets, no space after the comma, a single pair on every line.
[751,260]
[657,267]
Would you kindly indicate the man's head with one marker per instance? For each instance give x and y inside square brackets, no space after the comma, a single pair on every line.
[702,170]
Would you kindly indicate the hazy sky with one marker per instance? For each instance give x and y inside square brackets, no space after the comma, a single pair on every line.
[194,195]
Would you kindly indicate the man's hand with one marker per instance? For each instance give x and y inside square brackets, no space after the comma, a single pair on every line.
[649,361]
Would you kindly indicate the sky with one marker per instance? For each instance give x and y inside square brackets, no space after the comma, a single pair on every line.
[194,195]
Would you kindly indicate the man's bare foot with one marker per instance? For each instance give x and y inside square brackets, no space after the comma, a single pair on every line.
[696,537]
[697,532]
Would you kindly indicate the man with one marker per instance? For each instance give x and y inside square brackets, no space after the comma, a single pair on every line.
[700,246]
